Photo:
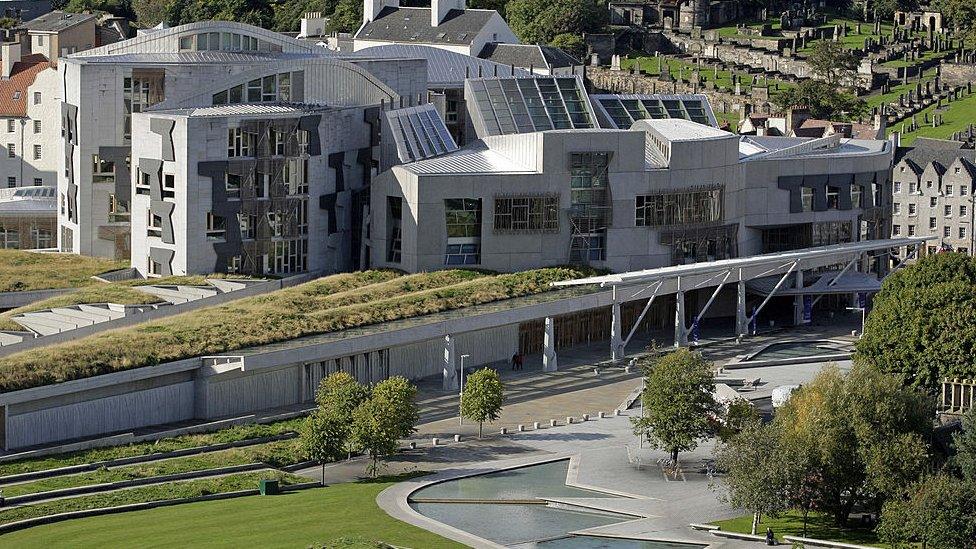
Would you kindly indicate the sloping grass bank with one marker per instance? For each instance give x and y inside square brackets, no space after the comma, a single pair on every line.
[22,271]
[326,305]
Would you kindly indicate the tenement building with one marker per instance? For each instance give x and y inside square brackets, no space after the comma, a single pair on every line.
[932,195]
[546,185]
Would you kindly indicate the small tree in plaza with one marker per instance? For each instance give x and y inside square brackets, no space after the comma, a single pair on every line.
[323,438]
[482,398]
[755,474]
[378,423]
[677,402]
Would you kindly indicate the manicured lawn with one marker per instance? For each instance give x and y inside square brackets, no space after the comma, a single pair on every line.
[791,524]
[329,304]
[301,519]
[22,271]
[958,116]
[231,434]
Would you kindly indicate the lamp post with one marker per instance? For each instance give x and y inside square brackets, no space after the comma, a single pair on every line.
[461,392]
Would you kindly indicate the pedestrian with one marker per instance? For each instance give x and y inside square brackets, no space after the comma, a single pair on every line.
[770,538]
[519,360]
[515,358]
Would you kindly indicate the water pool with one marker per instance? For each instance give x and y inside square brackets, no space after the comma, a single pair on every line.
[544,480]
[798,349]
[594,542]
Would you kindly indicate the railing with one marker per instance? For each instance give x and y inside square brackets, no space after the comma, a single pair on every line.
[958,395]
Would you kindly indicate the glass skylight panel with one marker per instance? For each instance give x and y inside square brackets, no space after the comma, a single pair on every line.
[654,108]
[522,105]
[420,133]
[696,111]
[674,109]
[633,109]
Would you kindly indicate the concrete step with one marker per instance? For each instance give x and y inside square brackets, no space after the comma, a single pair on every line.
[9,338]
[226,286]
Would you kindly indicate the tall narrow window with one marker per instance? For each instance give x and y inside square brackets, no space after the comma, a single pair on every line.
[463,219]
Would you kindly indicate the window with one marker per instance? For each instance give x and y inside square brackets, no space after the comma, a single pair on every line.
[295,175]
[912,209]
[11,181]
[947,211]
[394,218]
[948,190]
[38,181]
[240,143]
[118,210]
[895,230]
[154,268]
[169,185]
[276,139]
[913,187]
[857,192]
[928,184]
[962,232]
[933,223]
[154,224]
[833,197]
[896,208]
[590,205]
[232,184]
[248,224]
[186,43]
[37,98]
[933,202]
[806,198]
[40,39]
[527,214]
[963,210]
[911,230]
[11,125]
[463,221]
[963,190]
[143,180]
[11,150]
[37,126]
[288,256]
[679,208]
[140,91]
[275,223]
[946,232]
[898,185]
[234,264]
[37,152]
[260,185]
[215,226]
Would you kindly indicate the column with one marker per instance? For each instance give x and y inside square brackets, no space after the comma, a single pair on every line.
[680,331]
[798,300]
[450,371]
[616,338]
[549,363]
[741,321]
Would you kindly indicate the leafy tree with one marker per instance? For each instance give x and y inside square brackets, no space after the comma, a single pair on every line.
[337,396]
[497,5]
[288,15]
[401,397]
[824,100]
[347,17]
[677,401]
[939,513]
[965,446]
[482,398]
[379,422]
[322,438]
[149,13]
[540,21]
[832,62]
[754,471]
[738,414]
[572,44]
[253,12]
[961,14]
[860,438]
[885,9]
[923,323]
[121,8]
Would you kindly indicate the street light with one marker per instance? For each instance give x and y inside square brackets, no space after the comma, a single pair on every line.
[461,393]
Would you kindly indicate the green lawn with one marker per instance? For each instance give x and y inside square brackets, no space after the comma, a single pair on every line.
[958,116]
[22,271]
[676,66]
[892,96]
[299,519]
[791,524]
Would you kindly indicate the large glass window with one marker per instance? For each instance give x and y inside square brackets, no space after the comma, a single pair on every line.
[680,208]
[394,220]
[530,214]
[140,91]
[240,142]
[590,205]
[463,220]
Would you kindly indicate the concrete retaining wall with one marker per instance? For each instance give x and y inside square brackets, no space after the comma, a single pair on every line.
[12,300]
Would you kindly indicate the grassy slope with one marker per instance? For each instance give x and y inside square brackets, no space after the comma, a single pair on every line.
[724,80]
[231,434]
[791,524]
[22,271]
[326,305]
[958,116]
[298,519]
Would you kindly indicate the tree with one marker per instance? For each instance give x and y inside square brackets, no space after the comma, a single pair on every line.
[497,5]
[379,422]
[824,100]
[347,17]
[754,471]
[961,14]
[859,438]
[834,63]
[939,513]
[337,396]
[322,438]
[540,21]
[572,44]
[738,414]
[965,446]
[121,8]
[923,323]
[677,401]
[482,398]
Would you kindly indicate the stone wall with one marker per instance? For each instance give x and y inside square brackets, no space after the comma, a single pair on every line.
[767,60]
[958,74]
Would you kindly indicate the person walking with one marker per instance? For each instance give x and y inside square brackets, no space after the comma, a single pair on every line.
[515,359]
[770,538]
[518,361]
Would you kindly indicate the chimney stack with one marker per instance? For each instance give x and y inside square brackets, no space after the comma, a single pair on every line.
[10,53]
[440,8]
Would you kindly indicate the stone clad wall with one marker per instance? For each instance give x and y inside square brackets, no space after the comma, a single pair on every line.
[958,74]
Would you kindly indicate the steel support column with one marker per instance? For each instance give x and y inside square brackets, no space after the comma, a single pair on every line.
[616,337]
[798,300]
[741,319]
[549,363]
[680,331]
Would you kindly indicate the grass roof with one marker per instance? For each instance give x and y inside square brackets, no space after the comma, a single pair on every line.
[23,271]
[325,305]
[105,293]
